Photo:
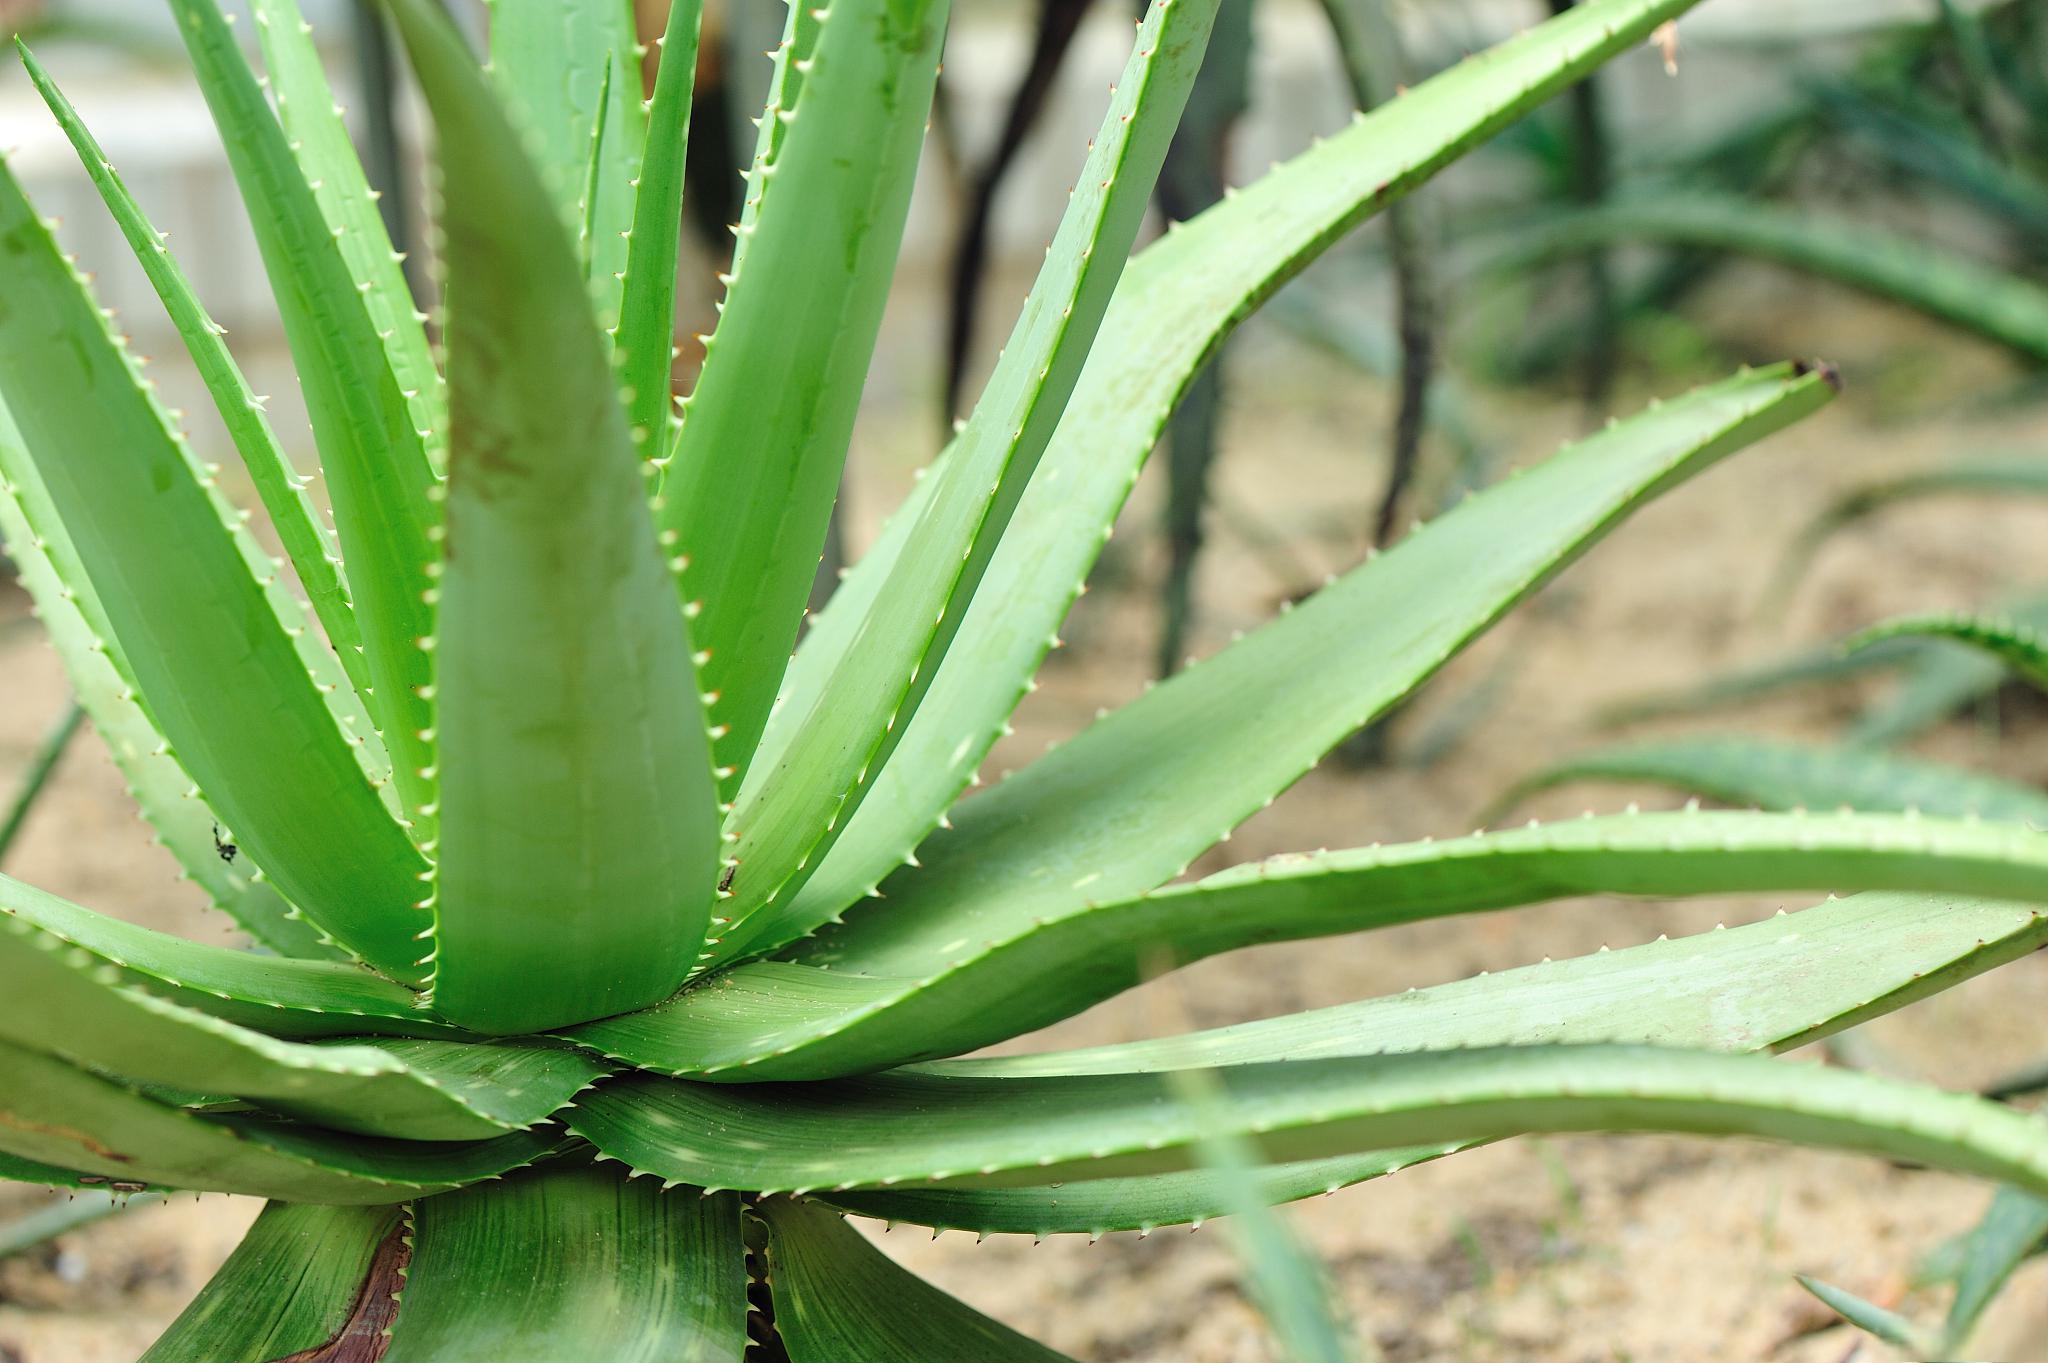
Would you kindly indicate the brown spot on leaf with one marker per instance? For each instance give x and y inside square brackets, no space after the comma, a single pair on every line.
[367,1333]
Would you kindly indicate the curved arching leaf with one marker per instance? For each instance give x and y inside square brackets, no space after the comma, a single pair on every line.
[2013,644]
[924,1127]
[1178,300]
[782,1020]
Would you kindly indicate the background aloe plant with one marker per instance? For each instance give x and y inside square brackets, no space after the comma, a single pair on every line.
[612,951]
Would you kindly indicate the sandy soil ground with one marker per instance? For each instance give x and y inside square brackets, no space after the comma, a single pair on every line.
[1554,1250]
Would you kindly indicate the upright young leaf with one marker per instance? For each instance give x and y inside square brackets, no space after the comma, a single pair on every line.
[312,552]
[371,450]
[327,157]
[757,464]
[557,1266]
[786,823]
[223,681]
[549,58]
[647,317]
[1133,799]
[579,845]
[1178,300]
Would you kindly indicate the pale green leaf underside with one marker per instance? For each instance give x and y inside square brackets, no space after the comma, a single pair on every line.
[1776,774]
[569,1265]
[782,1020]
[838,1299]
[1887,1325]
[2012,1229]
[1176,302]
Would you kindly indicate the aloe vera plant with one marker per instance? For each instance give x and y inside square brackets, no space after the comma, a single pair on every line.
[612,952]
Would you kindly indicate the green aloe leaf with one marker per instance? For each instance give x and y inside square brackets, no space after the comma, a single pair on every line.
[306,542]
[748,494]
[277,995]
[548,60]
[55,1114]
[779,1020]
[842,739]
[2012,1230]
[1889,1326]
[1177,301]
[647,318]
[1131,801]
[579,822]
[1739,686]
[562,1266]
[300,1277]
[838,1299]
[2015,645]
[1771,985]
[161,788]
[372,453]
[327,158]
[2001,307]
[81,1208]
[177,591]
[1781,775]
[71,1005]
[974,1129]
[36,779]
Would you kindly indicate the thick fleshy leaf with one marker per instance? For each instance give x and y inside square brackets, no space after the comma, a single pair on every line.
[549,60]
[838,1299]
[55,1114]
[70,1005]
[1770,985]
[161,788]
[579,816]
[2002,307]
[301,1277]
[782,1020]
[1132,800]
[751,488]
[178,593]
[2015,645]
[327,158]
[839,743]
[283,997]
[921,1127]
[1775,774]
[1177,301]
[568,1265]
[371,451]
[306,542]
[645,343]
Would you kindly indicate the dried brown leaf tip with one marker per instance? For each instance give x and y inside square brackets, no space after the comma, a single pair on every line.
[1830,375]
